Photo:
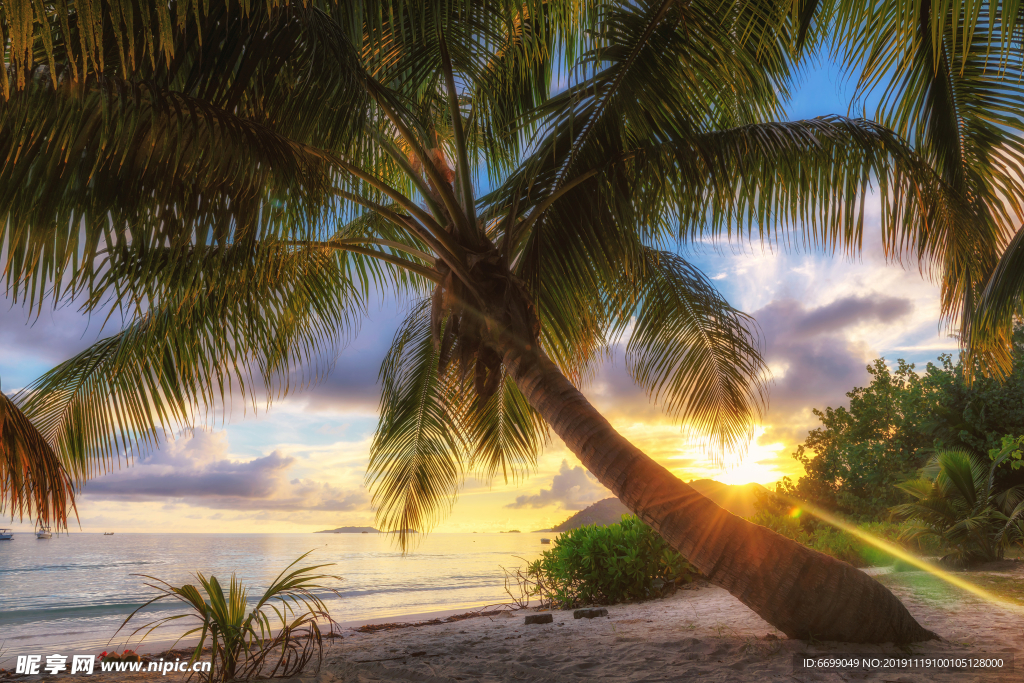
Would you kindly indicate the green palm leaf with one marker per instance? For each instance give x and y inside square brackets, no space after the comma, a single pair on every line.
[33,481]
[950,81]
[694,352]
[419,452]
[507,434]
[218,323]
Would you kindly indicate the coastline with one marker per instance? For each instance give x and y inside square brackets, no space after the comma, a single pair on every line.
[698,634]
[70,595]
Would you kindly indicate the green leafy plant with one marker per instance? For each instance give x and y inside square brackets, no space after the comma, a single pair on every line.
[1011,452]
[956,502]
[841,544]
[608,564]
[858,455]
[825,539]
[245,643]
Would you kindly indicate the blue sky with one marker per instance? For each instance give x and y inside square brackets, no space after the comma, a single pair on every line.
[299,466]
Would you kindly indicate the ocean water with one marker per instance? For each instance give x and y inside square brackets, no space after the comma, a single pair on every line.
[70,594]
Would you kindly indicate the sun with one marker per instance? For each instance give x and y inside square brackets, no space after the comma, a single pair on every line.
[760,464]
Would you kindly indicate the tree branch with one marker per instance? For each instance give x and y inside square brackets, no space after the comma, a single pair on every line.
[338,245]
[443,188]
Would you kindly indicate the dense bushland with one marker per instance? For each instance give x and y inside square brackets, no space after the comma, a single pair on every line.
[933,451]
[859,455]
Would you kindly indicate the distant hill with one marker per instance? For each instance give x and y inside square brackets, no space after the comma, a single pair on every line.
[607,511]
[739,500]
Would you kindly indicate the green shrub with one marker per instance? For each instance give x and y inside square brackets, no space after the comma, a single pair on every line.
[785,525]
[843,545]
[957,505]
[249,643]
[603,565]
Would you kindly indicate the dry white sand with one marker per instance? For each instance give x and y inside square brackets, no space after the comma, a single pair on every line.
[696,635]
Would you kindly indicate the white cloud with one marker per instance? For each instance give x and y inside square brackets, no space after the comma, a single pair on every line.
[573,488]
[199,472]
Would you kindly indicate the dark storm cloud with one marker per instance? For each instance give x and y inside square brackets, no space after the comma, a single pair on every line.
[573,488]
[198,474]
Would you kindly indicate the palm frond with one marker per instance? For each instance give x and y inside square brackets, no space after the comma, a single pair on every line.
[33,481]
[419,451]
[233,136]
[958,26]
[212,324]
[1003,297]
[803,184]
[506,434]
[950,80]
[961,471]
[693,353]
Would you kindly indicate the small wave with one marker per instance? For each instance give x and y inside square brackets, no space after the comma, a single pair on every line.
[25,616]
[74,567]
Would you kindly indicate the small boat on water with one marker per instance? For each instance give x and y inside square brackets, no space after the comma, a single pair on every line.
[108,533]
[6,535]
[545,541]
[44,532]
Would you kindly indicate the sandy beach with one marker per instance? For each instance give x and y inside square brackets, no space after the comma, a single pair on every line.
[702,634]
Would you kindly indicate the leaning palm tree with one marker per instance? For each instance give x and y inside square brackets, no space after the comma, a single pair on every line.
[236,179]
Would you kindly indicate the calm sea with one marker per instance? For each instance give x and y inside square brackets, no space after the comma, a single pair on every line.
[69,594]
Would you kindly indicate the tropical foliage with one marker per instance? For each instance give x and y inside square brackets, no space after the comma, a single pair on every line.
[277,637]
[33,480]
[604,565]
[314,154]
[782,518]
[238,178]
[942,74]
[955,501]
[856,458]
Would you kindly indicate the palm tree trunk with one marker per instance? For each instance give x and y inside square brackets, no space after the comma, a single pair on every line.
[801,592]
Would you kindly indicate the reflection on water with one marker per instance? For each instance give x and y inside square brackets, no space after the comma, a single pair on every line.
[72,592]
